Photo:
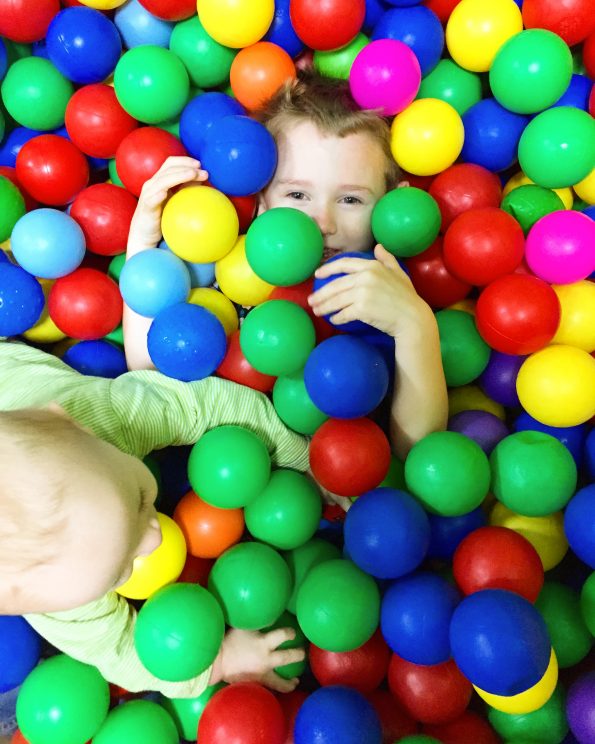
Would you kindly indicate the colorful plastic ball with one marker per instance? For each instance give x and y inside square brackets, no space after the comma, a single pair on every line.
[153,280]
[138,26]
[236,24]
[96,358]
[337,63]
[476,30]
[22,300]
[463,187]
[170,10]
[498,380]
[547,724]
[349,457]
[572,437]
[585,190]
[20,647]
[385,76]
[337,714]
[577,94]
[208,62]
[151,83]
[187,712]
[282,32]
[208,531]
[415,617]
[572,20]
[406,221]
[395,720]
[200,114]
[338,606]
[13,207]
[237,280]
[580,707]
[577,321]
[427,137]
[446,533]
[561,610]
[557,386]
[579,525]
[258,71]
[104,212]
[469,728]
[472,398]
[99,4]
[328,26]
[464,353]
[215,301]
[235,367]
[452,84]
[483,427]
[419,28]
[25,21]
[529,203]
[588,603]
[136,721]
[492,135]
[294,406]
[62,700]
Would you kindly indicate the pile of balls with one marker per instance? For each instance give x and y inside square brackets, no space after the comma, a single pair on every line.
[461,582]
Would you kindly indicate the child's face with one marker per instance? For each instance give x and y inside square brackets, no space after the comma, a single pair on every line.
[335,180]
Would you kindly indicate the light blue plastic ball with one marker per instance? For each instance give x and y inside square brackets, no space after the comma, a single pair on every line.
[153,280]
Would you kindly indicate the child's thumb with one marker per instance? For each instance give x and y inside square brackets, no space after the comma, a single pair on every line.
[385,258]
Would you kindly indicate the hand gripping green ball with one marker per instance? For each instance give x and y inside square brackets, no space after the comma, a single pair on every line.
[406,221]
[138,722]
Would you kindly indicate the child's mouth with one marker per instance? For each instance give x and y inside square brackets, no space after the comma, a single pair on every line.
[329,253]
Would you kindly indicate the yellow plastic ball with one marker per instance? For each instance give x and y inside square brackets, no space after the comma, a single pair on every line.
[45,331]
[577,319]
[200,224]
[520,179]
[467,306]
[427,137]
[477,29]
[472,398]
[556,386]
[529,700]
[546,534]
[218,304]
[159,568]
[103,4]
[585,189]
[236,23]
[237,280]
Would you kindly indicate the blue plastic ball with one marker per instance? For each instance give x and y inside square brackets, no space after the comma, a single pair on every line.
[201,274]
[577,94]
[572,437]
[48,243]
[589,453]
[447,532]
[337,715]
[500,641]
[21,300]
[20,648]
[346,377]
[96,358]
[281,31]
[137,26]
[240,155]
[40,49]
[11,146]
[579,524]
[374,12]
[403,3]
[387,533]
[152,280]
[200,114]
[492,135]
[418,27]
[3,59]
[83,44]
[186,342]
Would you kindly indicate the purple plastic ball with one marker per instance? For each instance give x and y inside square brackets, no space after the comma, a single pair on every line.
[498,380]
[580,708]
[481,426]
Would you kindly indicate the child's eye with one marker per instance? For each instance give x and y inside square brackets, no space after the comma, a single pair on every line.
[351,200]
[298,195]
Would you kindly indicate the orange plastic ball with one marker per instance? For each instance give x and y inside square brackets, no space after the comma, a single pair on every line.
[258,71]
[208,531]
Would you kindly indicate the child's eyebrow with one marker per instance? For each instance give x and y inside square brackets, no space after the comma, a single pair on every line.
[354,187]
[307,184]
[293,182]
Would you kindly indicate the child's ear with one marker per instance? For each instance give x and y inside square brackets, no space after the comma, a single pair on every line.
[261,206]
[402,184]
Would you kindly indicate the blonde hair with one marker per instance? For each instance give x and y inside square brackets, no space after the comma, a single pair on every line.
[329,105]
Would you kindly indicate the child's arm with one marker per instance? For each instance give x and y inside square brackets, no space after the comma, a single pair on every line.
[145,232]
[381,294]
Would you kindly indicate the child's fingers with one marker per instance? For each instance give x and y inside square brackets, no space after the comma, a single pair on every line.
[347,265]
[287,656]
[178,160]
[277,683]
[276,637]
[157,192]
[330,290]
[387,259]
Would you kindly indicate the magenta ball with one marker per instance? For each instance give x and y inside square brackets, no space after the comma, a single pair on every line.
[385,75]
[560,247]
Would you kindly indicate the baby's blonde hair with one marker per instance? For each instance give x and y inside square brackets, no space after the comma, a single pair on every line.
[329,105]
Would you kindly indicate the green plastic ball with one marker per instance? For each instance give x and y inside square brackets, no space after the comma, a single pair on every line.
[138,722]
[115,266]
[395,478]
[465,354]
[277,337]
[179,631]
[284,246]
[338,606]
[116,336]
[151,83]
[530,203]
[186,712]
[557,148]
[35,94]
[229,467]
[289,671]
[287,512]
[546,725]
[532,473]
[208,63]
[303,559]
[12,207]
[450,83]
[531,71]
[448,473]
[62,701]
[336,63]
[294,406]
[252,583]
[561,609]
[418,739]
[113,174]
[406,221]
[588,603]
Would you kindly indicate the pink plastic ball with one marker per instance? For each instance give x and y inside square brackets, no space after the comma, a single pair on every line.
[560,247]
[385,75]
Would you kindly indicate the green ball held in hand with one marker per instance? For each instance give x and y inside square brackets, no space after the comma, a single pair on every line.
[138,722]
[229,467]
[294,406]
[252,583]
[532,473]
[303,559]
[530,203]
[450,83]
[560,607]
[465,354]
[277,337]
[448,473]
[186,712]
[12,207]
[208,63]
[284,246]
[546,725]
[62,700]
[287,620]
[337,62]
[588,603]
[338,606]
[406,221]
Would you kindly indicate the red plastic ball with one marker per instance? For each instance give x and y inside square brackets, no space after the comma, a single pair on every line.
[18,738]
[442,8]
[327,25]
[85,304]
[299,294]
[418,182]
[517,314]
[363,669]
[26,20]
[11,174]
[462,187]
[431,694]
[498,558]
[104,212]
[589,55]
[142,152]
[433,282]
[170,10]
[573,20]
[396,722]
[96,122]
[470,728]
[196,570]
[245,207]
[592,101]
[349,457]
[483,244]
[52,169]
[291,703]
[237,368]
[242,713]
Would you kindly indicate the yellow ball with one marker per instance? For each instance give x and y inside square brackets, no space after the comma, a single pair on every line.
[237,280]
[556,386]
[466,305]
[200,224]
[577,320]
[477,29]
[546,534]
[472,398]
[218,304]
[529,700]
[427,137]
[103,4]
[236,23]
[45,331]
[520,179]
[159,568]
[585,189]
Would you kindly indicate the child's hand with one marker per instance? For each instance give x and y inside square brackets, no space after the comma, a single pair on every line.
[250,656]
[145,229]
[376,292]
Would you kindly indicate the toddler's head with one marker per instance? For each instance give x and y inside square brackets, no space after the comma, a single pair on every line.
[74,513]
[334,163]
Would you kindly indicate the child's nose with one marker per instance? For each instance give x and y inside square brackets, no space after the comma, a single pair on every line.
[325,219]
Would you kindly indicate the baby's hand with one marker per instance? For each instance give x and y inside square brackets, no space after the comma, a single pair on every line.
[376,292]
[145,229]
